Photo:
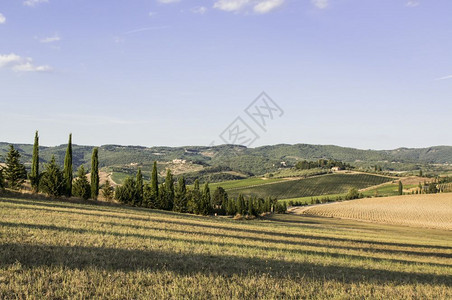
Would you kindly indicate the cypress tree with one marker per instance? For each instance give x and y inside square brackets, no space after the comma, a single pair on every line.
[81,187]
[169,191]
[2,180]
[15,173]
[52,181]
[180,196]
[155,183]
[94,174]
[400,188]
[205,200]
[139,200]
[194,204]
[67,170]
[34,174]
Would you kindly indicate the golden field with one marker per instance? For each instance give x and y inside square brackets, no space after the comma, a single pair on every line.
[426,210]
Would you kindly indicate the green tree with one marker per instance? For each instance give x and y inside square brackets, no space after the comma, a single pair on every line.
[14,173]
[205,200]
[127,192]
[219,198]
[194,200]
[52,181]
[168,191]
[34,174]
[420,173]
[67,170]
[95,174]
[400,188]
[2,180]
[180,195]
[107,191]
[231,208]
[81,187]
[140,186]
[154,185]
[241,209]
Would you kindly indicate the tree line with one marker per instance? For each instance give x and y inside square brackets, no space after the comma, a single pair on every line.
[53,181]
[177,196]
[169,195]
[322,163]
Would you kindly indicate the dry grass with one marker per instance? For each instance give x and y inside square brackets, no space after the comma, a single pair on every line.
[56,250]
[431,210]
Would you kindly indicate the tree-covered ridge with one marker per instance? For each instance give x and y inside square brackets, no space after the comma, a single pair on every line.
[233,158]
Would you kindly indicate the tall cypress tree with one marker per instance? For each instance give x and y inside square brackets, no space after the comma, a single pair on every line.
[139,200]
[155,183]
[95,174]
[67,170]
[34,174]
[400,188]
[169,191]
[205,200]
[180,196]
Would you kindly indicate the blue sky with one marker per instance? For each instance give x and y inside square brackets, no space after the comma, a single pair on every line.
[368,74]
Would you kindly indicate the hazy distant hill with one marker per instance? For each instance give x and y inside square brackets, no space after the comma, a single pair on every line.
[250,161]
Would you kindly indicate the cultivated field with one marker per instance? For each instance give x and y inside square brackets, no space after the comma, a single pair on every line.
[58,250]
[312,186]
[428,210]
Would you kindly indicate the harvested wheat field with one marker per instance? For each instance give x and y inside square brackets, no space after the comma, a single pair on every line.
[64,250]
[431,211]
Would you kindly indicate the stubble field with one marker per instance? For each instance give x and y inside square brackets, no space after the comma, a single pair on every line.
[426,210]
[59,250]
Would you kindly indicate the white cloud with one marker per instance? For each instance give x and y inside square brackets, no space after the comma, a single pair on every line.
[168,1]
[231,5]
[21,64]
[444,78]
[151,14]
[2,19]
[32,3]
[267,6]
[199,10]
[412,3]
[321,4]
[50,39]
[9,59]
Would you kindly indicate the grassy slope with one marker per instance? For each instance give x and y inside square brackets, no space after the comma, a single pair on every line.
[313,186]
[63,250]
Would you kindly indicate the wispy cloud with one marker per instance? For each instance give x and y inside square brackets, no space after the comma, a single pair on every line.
[258,6]
[33,3]
[199,10]
[50,39]
[2,19]
[21,64]
[444,78]
[145,29]
[412,3]
[321,4]
[267,6]
[168,1]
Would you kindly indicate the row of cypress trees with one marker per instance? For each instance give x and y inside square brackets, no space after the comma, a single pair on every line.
[134,191]
[55,182]
[178,197]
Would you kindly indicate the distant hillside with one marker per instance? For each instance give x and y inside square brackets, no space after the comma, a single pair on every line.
[230,161]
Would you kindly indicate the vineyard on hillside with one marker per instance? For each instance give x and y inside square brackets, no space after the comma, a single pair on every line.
[313,186]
